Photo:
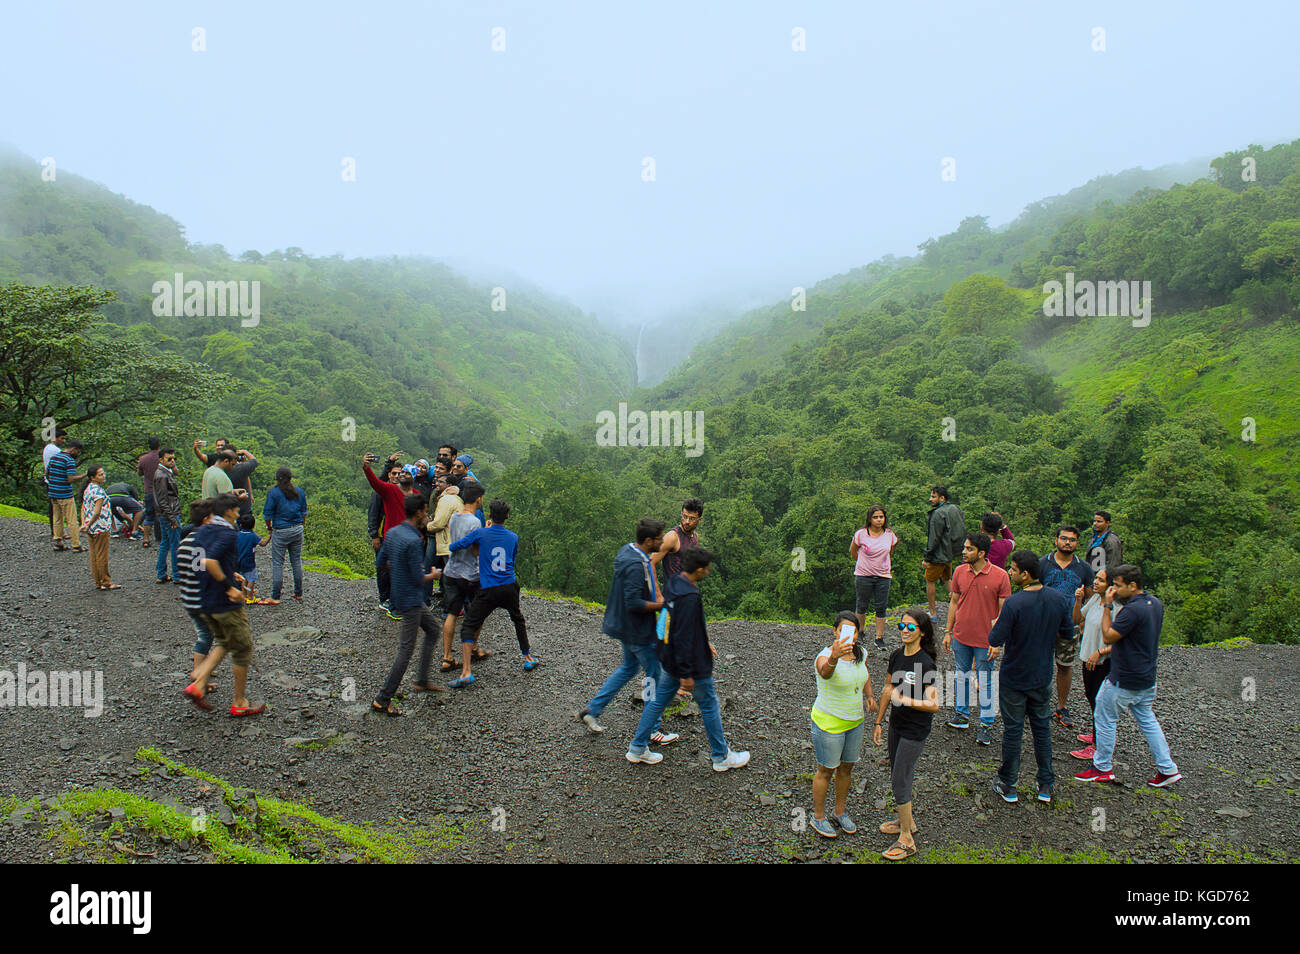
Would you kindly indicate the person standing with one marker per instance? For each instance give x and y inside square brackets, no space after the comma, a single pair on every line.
[1001,540]
[167,505]
[187,577]
[460,576]
[838,718]
[285,513]
[147,467]
[1031,622]
[1134,639]
[686,659]
[391,500]
[498,587]
[1095,653]
[946,531]
[630,610]
[216,479]
[60,475]
[403,551]
[240,473]
[53,447]
[913,700]
[1064,572]
[444,503]
[96,514]
[979,589]
[1105,549]
[681,537]
[221,602]
[873,549]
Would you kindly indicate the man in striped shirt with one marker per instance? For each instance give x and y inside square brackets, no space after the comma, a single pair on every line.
[60,475]
[188,558]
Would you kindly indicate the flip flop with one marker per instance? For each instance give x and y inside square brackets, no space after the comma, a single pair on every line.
[112,586]
[389,710]
[449,664]
[480,654]
[196,697]
[266,601]
[237,712]
[892,828]
[427,687]
[892,852]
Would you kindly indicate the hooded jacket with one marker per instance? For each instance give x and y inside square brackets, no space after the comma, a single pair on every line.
[626,617]
[685,653]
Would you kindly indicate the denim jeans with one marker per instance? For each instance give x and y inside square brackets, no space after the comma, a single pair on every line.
[1110,700]
[1016,703]
[973,661]
[169,538]
[634,658]
[705,698]
[286,540]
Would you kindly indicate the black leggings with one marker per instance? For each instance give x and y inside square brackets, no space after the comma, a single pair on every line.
[1092,680]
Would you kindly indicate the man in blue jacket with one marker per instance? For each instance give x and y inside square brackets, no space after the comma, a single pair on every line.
[630,611]
[498,587]
[687,658]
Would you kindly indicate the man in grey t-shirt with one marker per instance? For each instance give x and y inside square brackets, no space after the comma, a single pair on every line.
[460,575]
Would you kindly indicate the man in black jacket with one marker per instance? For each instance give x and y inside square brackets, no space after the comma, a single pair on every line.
[686,657]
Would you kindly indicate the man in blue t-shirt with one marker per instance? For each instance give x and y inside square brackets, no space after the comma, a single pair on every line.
[1134,638]
[498,588]
[1064,572]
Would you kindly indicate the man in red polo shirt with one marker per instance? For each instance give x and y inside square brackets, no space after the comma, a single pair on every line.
[978,591]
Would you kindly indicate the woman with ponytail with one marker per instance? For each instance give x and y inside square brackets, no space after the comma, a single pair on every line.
[911,697]
[284,513]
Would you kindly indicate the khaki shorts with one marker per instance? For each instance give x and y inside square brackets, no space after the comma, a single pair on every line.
[1067,650]
[938,571]
[231,632]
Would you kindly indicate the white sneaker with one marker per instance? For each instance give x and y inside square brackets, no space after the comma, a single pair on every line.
[648,757]
[589,720]
[664,738]
[733,760]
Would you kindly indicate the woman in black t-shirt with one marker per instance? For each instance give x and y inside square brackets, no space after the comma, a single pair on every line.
[911,697]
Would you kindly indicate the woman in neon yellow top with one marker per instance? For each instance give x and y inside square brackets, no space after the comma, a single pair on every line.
[843,683]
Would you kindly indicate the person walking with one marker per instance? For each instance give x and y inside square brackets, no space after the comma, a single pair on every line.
[979,589]
[403,551]
[1134,638]
[187,577]
[838,720]
[873,548]
[96,522]
[686,659]
[167,504]
[630,610]
[285,513]
[946,529]
[913,699]
[1031,621]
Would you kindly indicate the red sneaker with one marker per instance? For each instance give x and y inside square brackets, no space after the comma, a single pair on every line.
[1093,774]
[1161,780]
[1085,754]
[1086,738]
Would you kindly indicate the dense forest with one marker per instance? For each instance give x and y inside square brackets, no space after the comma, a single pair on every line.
[942,368]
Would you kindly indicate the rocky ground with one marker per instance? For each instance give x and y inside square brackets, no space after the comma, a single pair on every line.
[503,772]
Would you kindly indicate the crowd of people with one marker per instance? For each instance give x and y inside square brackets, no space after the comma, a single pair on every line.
[444,558]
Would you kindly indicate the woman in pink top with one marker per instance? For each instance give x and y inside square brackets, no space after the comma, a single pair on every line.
[873,546]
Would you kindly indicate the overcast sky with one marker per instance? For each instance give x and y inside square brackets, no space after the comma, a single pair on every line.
[773,167]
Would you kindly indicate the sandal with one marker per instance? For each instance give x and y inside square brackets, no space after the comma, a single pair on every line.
[237,712]
[427,687]
[78,549]
[59,548]
[388,710]
[196,697]
[898,851]
[480,654]
[112,586]
[449,664]
[891,828]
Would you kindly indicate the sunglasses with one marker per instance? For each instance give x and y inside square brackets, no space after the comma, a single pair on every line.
[909,627]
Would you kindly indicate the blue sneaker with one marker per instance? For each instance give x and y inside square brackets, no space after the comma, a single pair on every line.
[462,682]
[824,828]
[846,824]
[531,663]
[1004,792]
[1045,795]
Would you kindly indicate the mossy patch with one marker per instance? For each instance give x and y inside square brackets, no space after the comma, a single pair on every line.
[17,513]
